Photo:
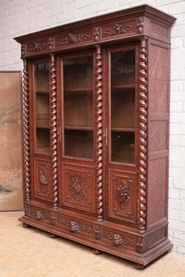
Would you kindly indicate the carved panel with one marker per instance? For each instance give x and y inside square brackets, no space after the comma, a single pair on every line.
[122,195]
[43,188]
[73,38]
[39,46]
[120,28]
[114,238]
[157,190]
[158,133]
[79,190]
[75,225]
[158,79]
[38,214]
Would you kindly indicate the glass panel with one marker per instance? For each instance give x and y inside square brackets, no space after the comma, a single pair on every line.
[78,107]
[123,106]
[42,107]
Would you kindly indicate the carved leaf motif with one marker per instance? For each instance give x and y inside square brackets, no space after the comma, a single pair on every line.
[74,39]
[122,194]
[119,29]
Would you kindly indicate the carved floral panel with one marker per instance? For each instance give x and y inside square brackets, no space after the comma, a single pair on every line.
[43,172]
[122,195]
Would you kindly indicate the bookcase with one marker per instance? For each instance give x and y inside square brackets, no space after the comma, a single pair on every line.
[95,126]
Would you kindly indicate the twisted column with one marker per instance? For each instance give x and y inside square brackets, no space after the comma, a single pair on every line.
[54,131]
[143,137]
[26,133]
[99,140]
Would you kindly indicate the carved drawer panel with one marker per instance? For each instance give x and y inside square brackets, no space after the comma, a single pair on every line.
[38,214]
[123,195]
[73,225]
[43,182]
[118,239]
[78,189]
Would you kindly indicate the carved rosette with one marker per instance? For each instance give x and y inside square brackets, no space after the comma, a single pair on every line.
[99,157]
[54,131]
[143,136]
[26,133]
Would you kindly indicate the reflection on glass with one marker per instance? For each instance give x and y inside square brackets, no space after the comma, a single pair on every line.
[42,107]
[123,106]
[78,107]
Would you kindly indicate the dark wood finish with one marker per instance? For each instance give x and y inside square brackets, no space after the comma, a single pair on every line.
[96,132]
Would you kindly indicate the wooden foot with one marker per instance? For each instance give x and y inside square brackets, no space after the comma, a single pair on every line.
[139,266]
[97,252]
[52,235]
[26,225]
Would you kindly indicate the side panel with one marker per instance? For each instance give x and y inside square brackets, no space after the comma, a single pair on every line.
[158,133]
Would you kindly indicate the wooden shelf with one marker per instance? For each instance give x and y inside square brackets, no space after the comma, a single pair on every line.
[43,126]
[42,92]
[78,128]
[78,90]
[123,87]
[118,129]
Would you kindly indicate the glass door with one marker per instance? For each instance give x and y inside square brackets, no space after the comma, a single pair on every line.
[42,107]
[122,99]
[78,107]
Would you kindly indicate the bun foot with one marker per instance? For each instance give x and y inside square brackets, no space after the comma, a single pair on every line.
[26,225]
[52,235]
[139,266]
[97,252]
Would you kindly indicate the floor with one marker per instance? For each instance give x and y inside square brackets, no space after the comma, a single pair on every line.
[28,252]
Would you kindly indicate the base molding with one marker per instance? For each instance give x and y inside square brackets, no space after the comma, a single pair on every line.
[100,236]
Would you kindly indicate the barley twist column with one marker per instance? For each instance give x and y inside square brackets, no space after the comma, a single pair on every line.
[143,137]
[54,131]
[26,133]
[99,140]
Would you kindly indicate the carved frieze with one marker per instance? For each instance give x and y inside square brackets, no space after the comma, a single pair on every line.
[120,28]
[72,38]
[37,46]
